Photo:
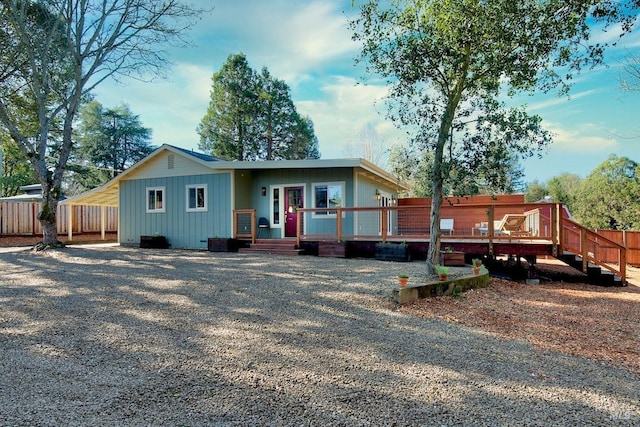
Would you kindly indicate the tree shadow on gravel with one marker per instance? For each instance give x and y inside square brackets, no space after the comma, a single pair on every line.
[123,336]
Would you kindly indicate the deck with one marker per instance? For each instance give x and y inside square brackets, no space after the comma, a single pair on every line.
[511,229]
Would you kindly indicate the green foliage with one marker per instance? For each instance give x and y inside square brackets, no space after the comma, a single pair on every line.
[609,198]
[16,171]
[251,116]
[109,141]
[535,191]
[448,62]
[441,269]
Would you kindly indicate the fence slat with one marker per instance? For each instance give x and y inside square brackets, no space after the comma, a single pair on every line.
[20,218]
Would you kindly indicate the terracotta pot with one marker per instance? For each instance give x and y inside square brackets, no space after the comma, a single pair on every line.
[443,277]
[476,270]
[402,281]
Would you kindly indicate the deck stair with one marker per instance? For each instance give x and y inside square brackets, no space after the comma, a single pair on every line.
[273,246]
[596,275]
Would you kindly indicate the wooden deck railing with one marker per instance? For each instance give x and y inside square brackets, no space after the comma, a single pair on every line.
[591,247]
[543,224]
[397,223]
[244,224]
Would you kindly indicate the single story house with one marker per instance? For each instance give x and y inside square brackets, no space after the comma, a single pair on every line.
[189,197]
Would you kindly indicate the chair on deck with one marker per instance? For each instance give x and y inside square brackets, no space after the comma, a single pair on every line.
[511,224]
[446,226]
[263,225]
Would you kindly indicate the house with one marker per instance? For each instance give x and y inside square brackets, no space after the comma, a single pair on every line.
[189,197]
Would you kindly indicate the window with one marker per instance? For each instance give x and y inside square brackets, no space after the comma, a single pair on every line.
[196,198]
[155,199]
[328,195]
[276,206]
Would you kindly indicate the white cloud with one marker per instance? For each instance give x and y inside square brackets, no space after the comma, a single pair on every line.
[585,138]
[342,113]
[293,39]
[172,108]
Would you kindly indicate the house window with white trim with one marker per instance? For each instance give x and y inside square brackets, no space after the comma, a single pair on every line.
[155,199]
[328,195]
[197,198]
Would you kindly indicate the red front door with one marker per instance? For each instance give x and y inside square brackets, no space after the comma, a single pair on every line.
[292,202]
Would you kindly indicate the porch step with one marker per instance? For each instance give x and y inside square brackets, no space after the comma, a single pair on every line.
[273,246]
[595,274]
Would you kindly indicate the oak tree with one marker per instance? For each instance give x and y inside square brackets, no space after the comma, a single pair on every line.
[449,62]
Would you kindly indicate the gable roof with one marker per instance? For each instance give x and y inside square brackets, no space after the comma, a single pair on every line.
[107,194]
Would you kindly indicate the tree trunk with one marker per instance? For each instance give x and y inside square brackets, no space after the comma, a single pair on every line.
[48,219]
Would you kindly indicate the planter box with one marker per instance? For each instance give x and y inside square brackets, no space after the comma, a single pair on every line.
[154,242]
[332,249]
[452,258]
[392,252]
[216,244]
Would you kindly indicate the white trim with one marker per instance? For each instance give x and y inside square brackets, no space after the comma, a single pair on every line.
[204,208]
[164,199]
[280,225]
[328,215]
[232,204]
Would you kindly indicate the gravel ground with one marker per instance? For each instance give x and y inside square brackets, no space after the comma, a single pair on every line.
[121,336]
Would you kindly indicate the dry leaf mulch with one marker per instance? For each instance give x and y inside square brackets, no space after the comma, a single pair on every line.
[573,318]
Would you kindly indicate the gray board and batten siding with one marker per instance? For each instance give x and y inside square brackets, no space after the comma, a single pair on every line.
[184,229]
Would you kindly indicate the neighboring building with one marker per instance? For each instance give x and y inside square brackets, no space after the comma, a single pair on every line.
[30,193]
[189,197]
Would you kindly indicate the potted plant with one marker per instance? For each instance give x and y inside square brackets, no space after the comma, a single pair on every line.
[403,279]
[476,264]
[442,272]
[449,256]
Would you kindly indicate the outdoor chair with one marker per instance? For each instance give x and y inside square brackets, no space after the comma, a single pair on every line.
[511,225]
[446,226]
[263,225]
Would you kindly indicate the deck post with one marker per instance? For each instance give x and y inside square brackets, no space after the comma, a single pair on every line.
[253,226]
[298,224]
[556,225]
[383,224]
[339,224]
[584,249]
[491,230]
[70,222]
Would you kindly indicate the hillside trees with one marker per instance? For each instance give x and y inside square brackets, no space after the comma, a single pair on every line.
[251,117]
[609,198]
[55,53]
[448,62]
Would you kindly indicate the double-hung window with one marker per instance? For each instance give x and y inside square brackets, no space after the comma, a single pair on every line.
[155,199]
[196,198]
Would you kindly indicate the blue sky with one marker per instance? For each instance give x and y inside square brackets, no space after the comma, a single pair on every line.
[308,44]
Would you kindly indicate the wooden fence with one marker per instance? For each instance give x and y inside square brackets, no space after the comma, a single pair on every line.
[630,239]
[21,219]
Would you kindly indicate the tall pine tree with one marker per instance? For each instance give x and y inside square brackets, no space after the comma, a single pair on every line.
[251,116]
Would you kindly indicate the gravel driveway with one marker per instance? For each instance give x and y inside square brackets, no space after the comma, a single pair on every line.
[109,336]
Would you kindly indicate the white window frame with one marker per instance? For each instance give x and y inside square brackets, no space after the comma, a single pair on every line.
[204,208]
[164,199]
[321,215]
